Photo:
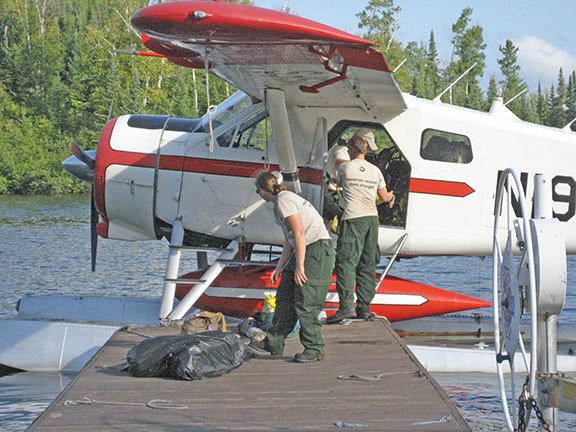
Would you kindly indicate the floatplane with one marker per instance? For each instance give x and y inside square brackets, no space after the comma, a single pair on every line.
[304,87]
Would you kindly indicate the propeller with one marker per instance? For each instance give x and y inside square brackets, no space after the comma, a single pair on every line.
[88,160]
[82,155]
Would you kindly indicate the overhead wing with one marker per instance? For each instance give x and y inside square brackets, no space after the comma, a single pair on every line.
[254,49]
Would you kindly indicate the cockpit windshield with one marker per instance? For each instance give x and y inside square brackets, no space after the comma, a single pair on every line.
[239,101]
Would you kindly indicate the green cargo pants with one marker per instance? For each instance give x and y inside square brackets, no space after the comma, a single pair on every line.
[356,260]
[303,303]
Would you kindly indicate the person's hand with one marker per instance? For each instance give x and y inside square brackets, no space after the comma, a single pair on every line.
[275,274]
[300,276]
[392,201]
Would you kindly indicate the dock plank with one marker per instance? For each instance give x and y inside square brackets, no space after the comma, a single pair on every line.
[265,393]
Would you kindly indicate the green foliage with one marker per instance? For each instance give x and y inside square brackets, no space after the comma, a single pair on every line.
[571,99]
[492,92]
[433,80]
[380,20]
[541,106]
[512,84]
[468,49]
[556,103]
[60,80]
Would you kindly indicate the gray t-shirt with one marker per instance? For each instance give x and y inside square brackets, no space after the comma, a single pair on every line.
[287,204]
[360,181]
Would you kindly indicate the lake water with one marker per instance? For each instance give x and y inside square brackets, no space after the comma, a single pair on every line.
[45,249]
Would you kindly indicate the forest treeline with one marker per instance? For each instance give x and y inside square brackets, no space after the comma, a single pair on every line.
[63,74]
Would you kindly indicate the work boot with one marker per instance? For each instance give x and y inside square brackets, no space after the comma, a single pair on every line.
[341,315]
[308,357]
[260,345]
[365,314]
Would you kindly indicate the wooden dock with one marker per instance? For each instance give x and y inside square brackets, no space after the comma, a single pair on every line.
[264,394]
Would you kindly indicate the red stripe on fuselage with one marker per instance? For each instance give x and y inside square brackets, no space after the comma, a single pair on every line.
[440,187]
[230,168]
[201,165]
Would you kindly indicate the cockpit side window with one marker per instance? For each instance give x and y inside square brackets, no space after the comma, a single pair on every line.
[445,146]
[254,134]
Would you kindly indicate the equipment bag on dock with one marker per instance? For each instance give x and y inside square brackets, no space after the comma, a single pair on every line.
[188,357]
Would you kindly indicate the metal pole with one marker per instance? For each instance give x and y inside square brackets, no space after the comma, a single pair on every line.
[546,322]
[176,239]
[276,105]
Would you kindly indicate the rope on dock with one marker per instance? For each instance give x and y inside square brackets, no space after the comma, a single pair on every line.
[361,377]
[370,377]
[445,419]
[154,403]
[342,424]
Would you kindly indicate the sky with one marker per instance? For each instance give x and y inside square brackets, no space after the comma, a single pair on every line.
[543,30]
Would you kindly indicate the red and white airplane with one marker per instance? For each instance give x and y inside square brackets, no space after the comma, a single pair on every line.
[305,86]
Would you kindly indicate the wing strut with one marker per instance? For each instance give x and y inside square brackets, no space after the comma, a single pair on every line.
[276,105]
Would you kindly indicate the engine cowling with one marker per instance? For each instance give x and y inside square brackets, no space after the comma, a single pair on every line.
[125,175]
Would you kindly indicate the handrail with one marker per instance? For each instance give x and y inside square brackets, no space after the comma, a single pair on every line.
[392,259]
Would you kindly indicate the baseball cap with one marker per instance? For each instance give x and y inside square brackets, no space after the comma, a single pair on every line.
[368,136]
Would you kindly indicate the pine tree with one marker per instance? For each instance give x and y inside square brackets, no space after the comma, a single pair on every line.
[432,76]
[541,106]
[571,99]
[528,108]
[468,46]
[511,82]
[492,92]
[417,67]
[551,103]
[556,101]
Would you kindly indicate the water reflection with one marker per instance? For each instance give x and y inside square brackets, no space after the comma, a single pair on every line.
[477,397]
[24,396]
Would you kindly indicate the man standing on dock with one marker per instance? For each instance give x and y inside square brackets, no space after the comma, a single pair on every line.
[357,249]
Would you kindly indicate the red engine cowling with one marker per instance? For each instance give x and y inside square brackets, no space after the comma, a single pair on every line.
[124,179]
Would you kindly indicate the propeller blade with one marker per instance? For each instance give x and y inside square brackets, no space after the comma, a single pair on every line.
[81,154]
[93,233]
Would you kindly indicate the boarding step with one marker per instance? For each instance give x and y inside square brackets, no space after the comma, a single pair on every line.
[267,252]
[199,248]
[246,262]
[185,281]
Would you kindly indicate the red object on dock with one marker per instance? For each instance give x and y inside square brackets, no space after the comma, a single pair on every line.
[240,291]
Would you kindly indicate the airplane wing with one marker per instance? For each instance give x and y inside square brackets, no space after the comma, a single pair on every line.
[254,49]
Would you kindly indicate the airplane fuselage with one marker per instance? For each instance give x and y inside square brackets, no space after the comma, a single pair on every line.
[151,170]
